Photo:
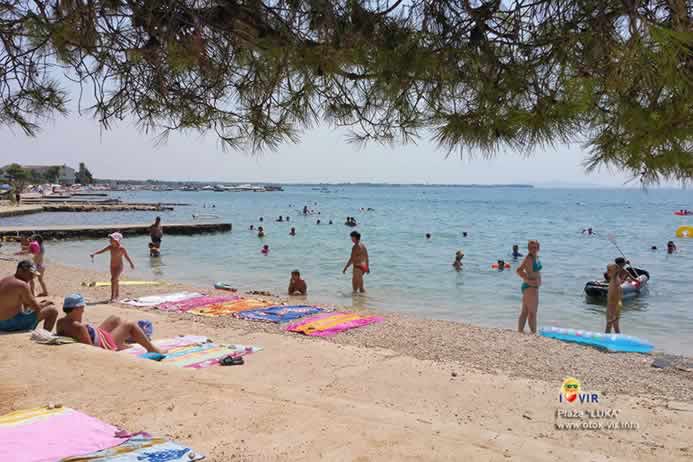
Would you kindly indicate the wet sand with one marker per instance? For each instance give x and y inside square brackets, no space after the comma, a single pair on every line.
[405,389]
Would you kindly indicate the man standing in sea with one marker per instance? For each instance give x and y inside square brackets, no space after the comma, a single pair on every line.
[359,259]
[156,232]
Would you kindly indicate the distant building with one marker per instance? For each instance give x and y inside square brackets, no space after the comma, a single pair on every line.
[66,175]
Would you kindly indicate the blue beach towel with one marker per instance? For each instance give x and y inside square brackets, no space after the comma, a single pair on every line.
[279,313]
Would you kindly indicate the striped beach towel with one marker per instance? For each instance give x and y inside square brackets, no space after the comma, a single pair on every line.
[47,435]
[227,308]
[194,355]
[141,448]
[328,324]
[279,313]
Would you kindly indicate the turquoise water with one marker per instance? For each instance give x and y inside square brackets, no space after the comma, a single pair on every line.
[414,275]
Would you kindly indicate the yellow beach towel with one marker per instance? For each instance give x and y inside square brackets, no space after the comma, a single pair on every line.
[227,308]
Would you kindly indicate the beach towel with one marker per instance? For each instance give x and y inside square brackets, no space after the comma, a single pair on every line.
[279,313]
[328,324]
[121,283]
[47,435]
[168,343]
[141,448]
[44,337]
[227,308]
[154,300]
[197,302]
[198,355]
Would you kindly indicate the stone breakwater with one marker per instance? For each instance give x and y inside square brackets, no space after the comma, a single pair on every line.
[100,231]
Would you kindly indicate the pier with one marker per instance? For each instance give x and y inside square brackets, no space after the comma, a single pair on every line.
[101,231]
[13,211]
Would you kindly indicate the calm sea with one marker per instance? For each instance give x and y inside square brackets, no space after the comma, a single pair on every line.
[414,275]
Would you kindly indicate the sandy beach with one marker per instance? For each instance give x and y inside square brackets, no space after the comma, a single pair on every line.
[405,389]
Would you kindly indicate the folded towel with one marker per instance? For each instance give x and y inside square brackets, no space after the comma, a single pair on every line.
[44,337]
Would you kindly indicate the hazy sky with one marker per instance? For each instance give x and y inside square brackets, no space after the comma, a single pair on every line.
[322,156]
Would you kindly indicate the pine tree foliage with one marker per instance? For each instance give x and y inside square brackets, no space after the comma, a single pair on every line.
[614,75]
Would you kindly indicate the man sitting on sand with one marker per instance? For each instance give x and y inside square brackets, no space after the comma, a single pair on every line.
[19,310]
[297,286]
[109,335]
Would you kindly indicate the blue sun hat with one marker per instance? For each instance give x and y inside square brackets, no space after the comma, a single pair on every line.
[74,301]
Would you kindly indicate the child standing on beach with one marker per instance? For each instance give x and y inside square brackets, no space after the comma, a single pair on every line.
[614,296]
[36,249]
[118,252]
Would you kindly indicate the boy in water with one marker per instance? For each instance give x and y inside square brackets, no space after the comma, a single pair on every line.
[297,286]
[118,252]
[154,251]
[614,296]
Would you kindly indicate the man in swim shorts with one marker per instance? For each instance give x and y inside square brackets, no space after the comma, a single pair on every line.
[297,286]
[156,232]
[359,259]
[19,310]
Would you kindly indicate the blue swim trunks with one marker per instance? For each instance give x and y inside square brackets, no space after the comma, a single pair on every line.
[22,321]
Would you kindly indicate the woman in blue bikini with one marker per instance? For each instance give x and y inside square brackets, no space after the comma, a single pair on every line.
[530,272]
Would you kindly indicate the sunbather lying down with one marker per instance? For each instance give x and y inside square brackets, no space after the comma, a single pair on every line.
[109,335]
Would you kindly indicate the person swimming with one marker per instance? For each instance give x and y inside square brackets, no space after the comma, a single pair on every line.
[260,231]
[428,235]
[464,234]
[671,247]
[251,228]
[265,249]
[292,232]
[280,219]
[516,252]
[317,222]
[457,264]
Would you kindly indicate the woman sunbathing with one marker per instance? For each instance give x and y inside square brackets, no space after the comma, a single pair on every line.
[109,335]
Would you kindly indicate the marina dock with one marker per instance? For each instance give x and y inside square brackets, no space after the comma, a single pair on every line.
[101,231]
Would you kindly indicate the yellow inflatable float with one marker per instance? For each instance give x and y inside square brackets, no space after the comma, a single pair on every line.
[684,231]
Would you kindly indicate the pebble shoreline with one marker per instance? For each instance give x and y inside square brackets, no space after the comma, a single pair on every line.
[481,349]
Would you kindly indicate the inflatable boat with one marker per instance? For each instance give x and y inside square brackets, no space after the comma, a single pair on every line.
[683,213]
[600,289]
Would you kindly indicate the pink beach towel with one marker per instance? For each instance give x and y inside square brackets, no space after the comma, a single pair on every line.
[328,324]
[187,305]
[47,435]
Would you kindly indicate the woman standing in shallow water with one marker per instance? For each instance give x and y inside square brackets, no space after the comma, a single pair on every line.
[530,272]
